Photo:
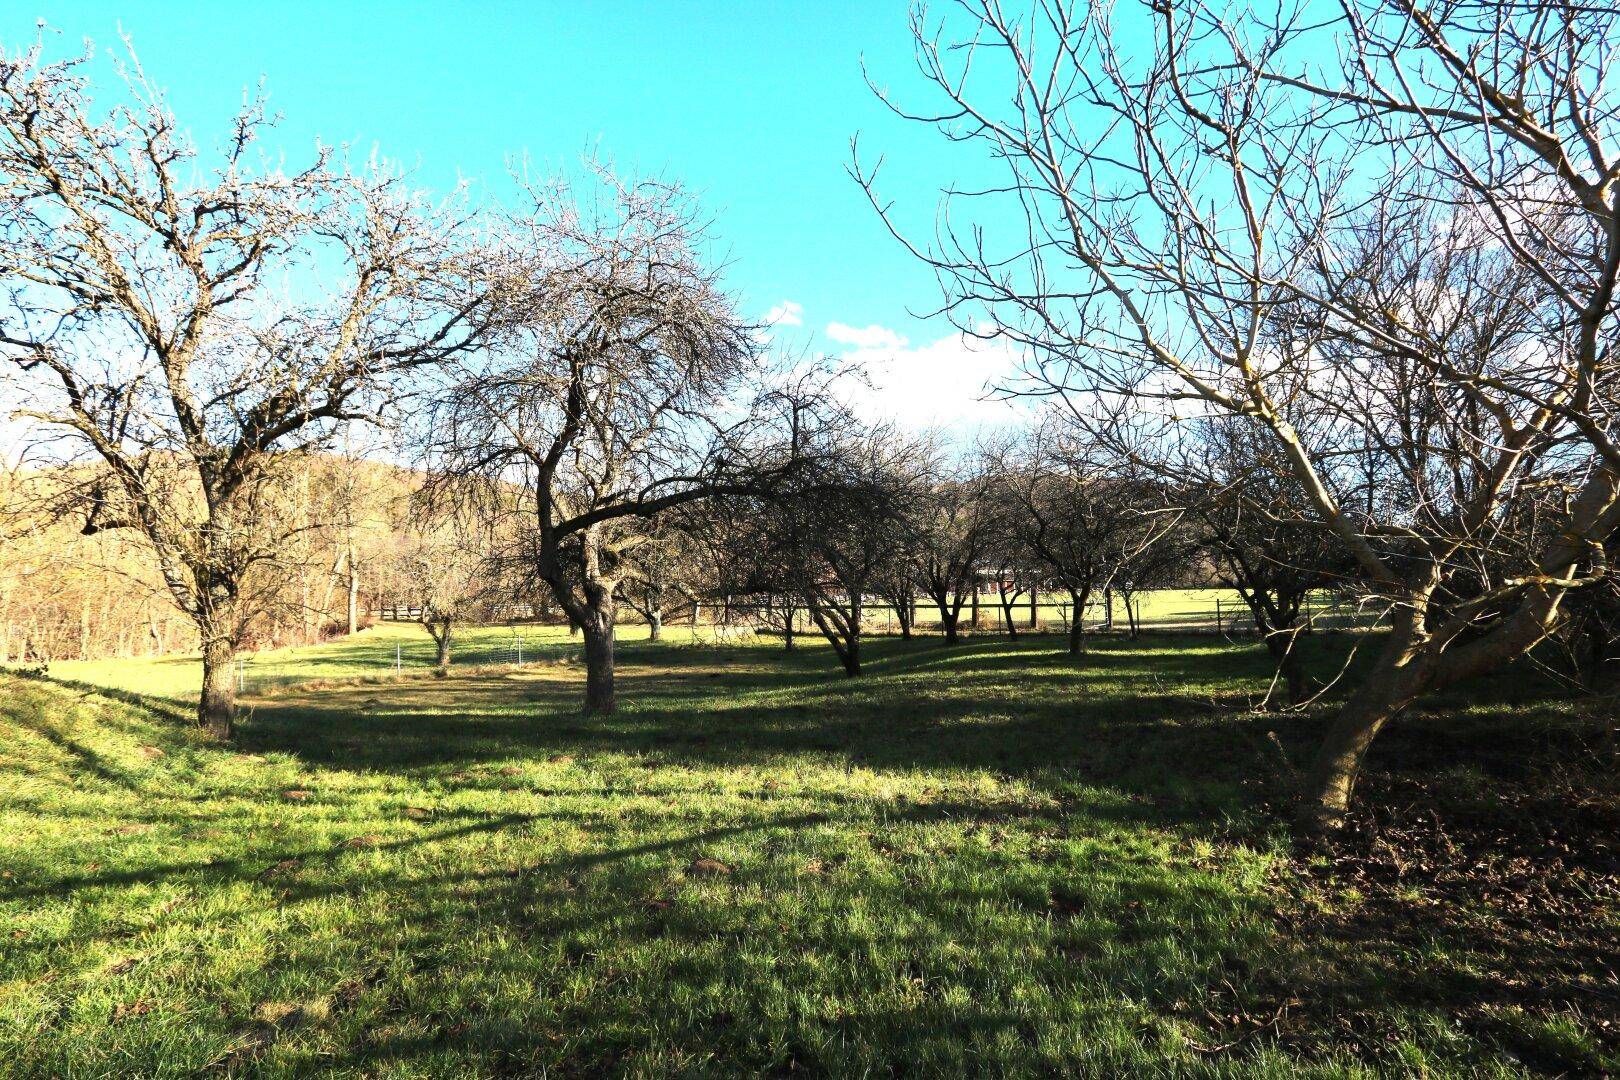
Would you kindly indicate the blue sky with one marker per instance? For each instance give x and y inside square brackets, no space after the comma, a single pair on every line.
[751,104]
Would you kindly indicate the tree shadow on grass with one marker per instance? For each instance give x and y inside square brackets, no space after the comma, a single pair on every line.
[850,936]
[162,707]
[636,924]
[750,707]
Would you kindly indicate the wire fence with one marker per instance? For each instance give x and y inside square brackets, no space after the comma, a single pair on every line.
[396,658]
[1179,611]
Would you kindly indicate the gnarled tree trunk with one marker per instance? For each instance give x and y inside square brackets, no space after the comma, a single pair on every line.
[216,708]
[1403,671]
[442,640]
[601,697]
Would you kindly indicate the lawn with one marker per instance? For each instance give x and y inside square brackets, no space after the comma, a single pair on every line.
[405,646]
[983,860]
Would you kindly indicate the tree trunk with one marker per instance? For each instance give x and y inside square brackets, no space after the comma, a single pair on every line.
[354,598]
[851,654]
[1299,683]
[787,626]
[1400,675]
[948,618]
[1108,609]
[216,709]
[1077,625]
[600,696]
[655,625]
[1035,608]
[1284,648]
[442,638]
[973,618]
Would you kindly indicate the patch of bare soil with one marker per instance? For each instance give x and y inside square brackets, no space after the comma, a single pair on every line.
[1482,888]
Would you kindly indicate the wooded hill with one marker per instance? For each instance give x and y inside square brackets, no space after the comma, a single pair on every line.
[65,594]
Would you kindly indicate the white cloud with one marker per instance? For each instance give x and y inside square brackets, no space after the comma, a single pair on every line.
[870,337]
[787,313]
[945,383]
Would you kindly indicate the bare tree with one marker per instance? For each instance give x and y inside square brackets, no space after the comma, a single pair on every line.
[1159,549]
[624,385]
[1273,565]
[192,321]
[830,538]
[443,565]
[1082,523]
[663,581]
[954,525]
[1385,240]
[897,584]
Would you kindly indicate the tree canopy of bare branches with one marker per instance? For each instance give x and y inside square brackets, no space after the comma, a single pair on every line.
[1385,235]
[187,319]
[620,388]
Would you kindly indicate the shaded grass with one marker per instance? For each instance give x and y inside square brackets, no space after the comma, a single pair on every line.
[983,860]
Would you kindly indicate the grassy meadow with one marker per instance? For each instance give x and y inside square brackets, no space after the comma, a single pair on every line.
[985,860]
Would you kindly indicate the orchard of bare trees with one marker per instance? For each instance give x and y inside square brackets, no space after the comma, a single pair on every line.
[1088,551]
[1305,320]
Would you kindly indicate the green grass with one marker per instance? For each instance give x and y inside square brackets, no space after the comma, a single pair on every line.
[373,652]
[989,860]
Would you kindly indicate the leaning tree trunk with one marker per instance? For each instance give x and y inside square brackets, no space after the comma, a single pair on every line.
[850,654]
[216,709]
[841,632]
[1009,618]
[1401,673]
